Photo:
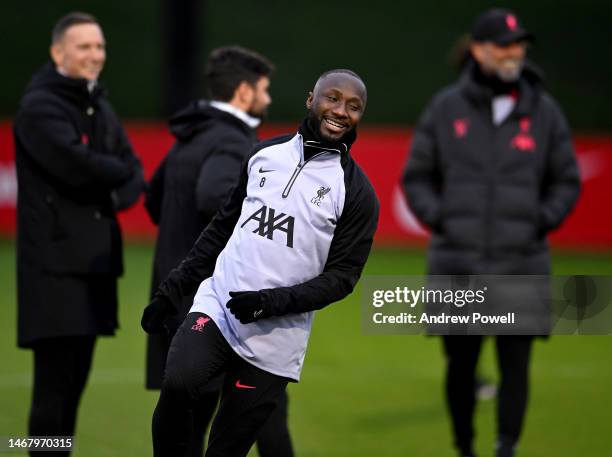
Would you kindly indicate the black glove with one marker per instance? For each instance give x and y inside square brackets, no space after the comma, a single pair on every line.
[248,307]
[154,316]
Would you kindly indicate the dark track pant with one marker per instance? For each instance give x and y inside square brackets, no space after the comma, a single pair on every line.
[61,367]
[273,439]
[462,353]
[197,354]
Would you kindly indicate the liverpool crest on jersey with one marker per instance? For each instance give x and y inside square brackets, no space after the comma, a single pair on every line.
[316,200]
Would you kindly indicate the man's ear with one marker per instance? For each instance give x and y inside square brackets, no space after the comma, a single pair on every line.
[309,100]
[57,53]
[245,92]
[477,51]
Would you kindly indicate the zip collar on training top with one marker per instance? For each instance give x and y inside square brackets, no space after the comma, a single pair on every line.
[314,144]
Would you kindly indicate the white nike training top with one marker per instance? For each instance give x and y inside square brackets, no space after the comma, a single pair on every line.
[299,228]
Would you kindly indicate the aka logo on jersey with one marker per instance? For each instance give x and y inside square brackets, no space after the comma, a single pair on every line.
[269,222]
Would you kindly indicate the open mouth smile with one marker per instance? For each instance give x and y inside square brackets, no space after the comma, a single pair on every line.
[334,126]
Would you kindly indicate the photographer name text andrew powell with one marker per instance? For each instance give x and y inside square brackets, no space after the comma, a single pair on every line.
[443,318]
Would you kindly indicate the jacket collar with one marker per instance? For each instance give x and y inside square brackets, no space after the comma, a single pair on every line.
[314,144]
[480,94]
[199,115]
[249,120]
[74,89]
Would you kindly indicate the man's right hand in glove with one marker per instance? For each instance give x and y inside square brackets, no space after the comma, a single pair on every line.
[155,315]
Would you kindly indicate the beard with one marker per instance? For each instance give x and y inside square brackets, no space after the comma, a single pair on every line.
[258,110]
[509,70]
[261,114]
[315,125]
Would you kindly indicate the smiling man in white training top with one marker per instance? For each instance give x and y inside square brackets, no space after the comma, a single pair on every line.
[292,238]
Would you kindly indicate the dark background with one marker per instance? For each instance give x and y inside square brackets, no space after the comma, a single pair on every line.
[399,48]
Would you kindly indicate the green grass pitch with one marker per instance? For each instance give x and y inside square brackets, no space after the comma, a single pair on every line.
[359,395]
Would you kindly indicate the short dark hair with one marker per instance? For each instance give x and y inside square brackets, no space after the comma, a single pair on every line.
[67,21]
[229,66]
[345,71]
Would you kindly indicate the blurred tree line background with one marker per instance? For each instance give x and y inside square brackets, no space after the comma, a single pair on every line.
[157,49]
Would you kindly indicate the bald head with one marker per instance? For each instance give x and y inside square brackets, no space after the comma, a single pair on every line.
[336,104]
[343,74]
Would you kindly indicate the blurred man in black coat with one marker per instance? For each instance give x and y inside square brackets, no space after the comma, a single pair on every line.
[75,170]
[213,137]
[491,171]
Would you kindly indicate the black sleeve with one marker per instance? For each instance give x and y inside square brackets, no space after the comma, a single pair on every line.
[348,254]
[421,179]
[51,140]
[219,173]
[561,183]
[127,194]
[200,262]
[154,193]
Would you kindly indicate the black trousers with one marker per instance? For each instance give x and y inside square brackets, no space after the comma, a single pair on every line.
[61,368]
[273,439]
[513,353]
[249,396]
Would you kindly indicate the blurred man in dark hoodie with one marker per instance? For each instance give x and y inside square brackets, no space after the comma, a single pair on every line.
[491,172]
[213,138]
[75,170]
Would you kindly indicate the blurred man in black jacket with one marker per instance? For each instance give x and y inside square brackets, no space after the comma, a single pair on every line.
[491,171]
[213,138]
[75,170]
